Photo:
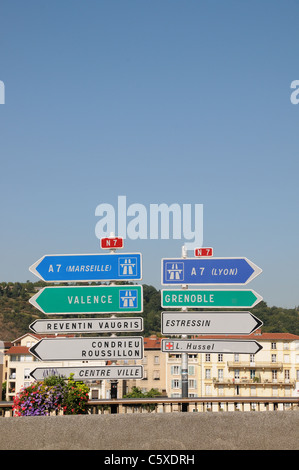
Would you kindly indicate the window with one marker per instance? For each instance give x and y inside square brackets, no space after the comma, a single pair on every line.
[156,360]
[208,390]
[273,345]
[237,374]
[26,374]
[191,370]
[207,373]
[208,357]
[252,373]
[156,375]
[236,357]
[252,358]
[175,383]
[144,360]
[286,358]
[220,374]
[274,375]
[287,375]
[273,357]
[175,370]
[192,383]
[220,357]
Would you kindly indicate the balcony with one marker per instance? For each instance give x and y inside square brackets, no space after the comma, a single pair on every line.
[255,381]
[254,365]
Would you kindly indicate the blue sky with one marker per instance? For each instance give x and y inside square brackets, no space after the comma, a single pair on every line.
[163,101]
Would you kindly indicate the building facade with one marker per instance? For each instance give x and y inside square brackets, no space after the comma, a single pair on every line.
[20,362]
[271,372]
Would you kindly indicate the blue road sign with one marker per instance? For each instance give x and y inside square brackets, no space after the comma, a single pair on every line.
[90,267]
[208,271]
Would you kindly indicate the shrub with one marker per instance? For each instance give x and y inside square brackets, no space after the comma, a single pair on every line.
[52,394]
[76,398]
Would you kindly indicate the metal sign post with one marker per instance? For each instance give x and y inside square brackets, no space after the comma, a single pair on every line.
[184,371]
[111,298]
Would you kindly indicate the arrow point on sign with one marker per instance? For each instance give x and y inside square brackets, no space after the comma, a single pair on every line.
[33,348]
[33,299]
[32,374]
[31,326]
[259,323]
[259,346]
[33,267]
[256,270]
[259,298]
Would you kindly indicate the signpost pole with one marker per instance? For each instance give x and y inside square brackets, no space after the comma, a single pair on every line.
[113,383]
[184,365]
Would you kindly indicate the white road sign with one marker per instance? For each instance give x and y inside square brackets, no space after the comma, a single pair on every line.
[69,349]
[212,323]
[90,373]
[195,346]
[85,325]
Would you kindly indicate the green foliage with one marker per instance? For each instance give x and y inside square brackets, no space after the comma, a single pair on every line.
[76,398]
[3,391]
[151,310]
[277,319]
[16,313]
[136,392]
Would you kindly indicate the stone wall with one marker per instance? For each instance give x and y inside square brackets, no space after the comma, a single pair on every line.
[266,430]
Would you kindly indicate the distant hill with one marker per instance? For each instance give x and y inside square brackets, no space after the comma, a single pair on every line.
[16,313]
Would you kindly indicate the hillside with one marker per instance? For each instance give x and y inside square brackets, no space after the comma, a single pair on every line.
[16,313]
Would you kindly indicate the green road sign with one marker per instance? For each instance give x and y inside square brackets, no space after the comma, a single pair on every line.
[209,298]
[89,299]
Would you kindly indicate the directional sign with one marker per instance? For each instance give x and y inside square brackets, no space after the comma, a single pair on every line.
[90,373]
[94,267]
[89,299]
[84,325]
[208,271]
[212,323]
[217,298]
[98,348]
[195,346]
